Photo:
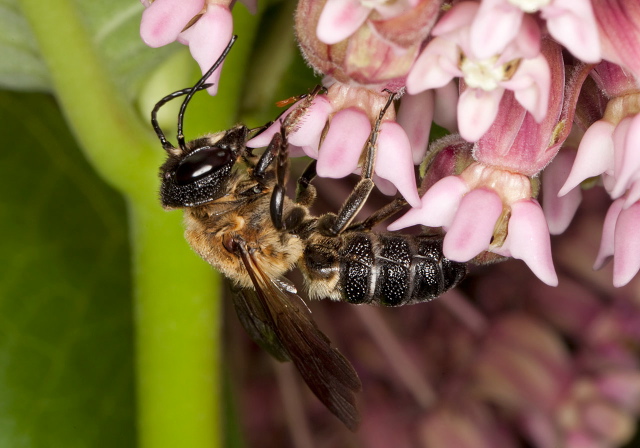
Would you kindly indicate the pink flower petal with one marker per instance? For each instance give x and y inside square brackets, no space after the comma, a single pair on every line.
[165,19]
[494,27]
[559,211]
[312,150]
[445,113]
[496,145]
[394,162]
[477,109]
[472,227]
[340,19]
[384,185]
[307,134]
[619,138]
[296,151]
[626,141]
[619,32]
[435,67]
[208,38]
[340,151]
[608,231]
[529,241]
[263,139]
[439,205]
[531,84]
[633,195]
[621,387]
[415,115]
[312,124]
[460,16]
[528,40]
[581,439]
[595,155]
[626,256]
[540,427]
[572,23]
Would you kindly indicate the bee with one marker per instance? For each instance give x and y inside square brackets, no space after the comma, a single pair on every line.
[239,219]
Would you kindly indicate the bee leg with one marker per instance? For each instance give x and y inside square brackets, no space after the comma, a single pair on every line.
[259,130]
[281,153]
[384,213]
[279,149]
[335,224]
[305,192]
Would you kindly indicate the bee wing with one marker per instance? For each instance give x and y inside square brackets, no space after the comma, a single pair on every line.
[327,373]
[257,324]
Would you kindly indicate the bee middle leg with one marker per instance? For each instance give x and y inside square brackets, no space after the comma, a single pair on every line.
[333,225]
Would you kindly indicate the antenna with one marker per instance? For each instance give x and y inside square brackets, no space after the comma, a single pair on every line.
[162,102]
[199,86]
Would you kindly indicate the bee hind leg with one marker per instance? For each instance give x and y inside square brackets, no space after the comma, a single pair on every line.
[380,215]
[333,225]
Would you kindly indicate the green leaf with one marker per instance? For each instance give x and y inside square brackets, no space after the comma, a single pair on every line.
[113,26]
[66,355]
[20,65]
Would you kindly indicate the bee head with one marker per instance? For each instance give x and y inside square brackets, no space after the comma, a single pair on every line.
[201,172]
[198,171]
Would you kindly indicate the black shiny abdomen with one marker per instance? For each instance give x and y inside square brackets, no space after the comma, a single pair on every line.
[390,269]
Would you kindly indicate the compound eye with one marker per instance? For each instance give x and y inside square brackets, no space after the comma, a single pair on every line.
[201,163]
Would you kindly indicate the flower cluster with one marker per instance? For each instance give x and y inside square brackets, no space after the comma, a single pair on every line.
[493,73]
[519,101]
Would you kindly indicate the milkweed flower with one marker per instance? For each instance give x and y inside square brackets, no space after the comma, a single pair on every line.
[378,53]
[351,113]
[397,20]
[359,67]
[570,22]
[559,210]
[609,148]
[205,26]
[489,204]
[519,67]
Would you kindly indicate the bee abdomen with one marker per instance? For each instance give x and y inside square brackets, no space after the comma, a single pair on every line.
[394,270]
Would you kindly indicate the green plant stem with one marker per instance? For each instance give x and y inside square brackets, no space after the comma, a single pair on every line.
[177,322]
[178,331]
[113,138]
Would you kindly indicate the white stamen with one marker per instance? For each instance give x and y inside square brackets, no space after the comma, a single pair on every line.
[484,74]
[373,3]
[530,6]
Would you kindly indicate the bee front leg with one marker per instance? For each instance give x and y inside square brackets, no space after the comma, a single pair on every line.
[280,149]
[305,192]
[268,156]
